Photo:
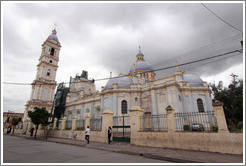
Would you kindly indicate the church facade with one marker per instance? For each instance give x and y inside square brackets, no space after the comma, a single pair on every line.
[139,87]
[184,92]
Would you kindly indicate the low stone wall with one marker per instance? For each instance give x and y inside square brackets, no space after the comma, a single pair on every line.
[231,143]
[96,136]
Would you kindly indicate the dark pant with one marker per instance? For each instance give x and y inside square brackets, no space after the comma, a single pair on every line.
[87,137]
[109,138]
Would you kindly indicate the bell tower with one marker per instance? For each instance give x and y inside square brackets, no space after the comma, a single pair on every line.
[44,84]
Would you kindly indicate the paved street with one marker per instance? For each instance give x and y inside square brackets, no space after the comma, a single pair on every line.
[22,150]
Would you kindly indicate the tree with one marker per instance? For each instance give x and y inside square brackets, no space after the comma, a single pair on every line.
[39,116]
[232,98]
[14,122]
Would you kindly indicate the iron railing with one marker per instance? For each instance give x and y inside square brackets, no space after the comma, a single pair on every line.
[153,122]
[196,121]
[96,124]
[80,123]
[68,124]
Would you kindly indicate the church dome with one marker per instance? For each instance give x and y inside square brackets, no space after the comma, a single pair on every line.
[193,79]
[53,36]
[141,65]
[123,82]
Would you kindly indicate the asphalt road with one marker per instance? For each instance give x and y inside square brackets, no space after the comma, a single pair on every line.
[22,150]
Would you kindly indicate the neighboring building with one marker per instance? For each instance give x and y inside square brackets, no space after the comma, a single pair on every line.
[44,85]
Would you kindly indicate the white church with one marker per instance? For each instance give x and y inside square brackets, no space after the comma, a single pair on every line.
[183,91]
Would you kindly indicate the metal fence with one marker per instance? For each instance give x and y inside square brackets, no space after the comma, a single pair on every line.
[153,122]
[68,124]
[80,123]
[96,124]
[196,121]
[121,124]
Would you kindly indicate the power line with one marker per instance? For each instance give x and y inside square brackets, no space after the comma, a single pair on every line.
[183,64]
[221,18]
[190,54]
[165,68]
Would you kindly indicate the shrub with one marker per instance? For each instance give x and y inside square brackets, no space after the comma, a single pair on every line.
[235,129]
[214,128]
[186,128]
[80,128]
[67,128]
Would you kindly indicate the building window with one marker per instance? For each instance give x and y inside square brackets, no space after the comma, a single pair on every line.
[124,107]
[52,51]
[50,61]
[200,105]
[48,72]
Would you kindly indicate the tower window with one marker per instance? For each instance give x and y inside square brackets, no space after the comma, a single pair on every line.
[52,51]
[48,72]
[200,105]
[124,107]
[50,61]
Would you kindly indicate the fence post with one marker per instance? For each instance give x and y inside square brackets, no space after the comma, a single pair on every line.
[147,121]
[87,121]
[54,124]
[63,124]
[135,113]
[220,115]
[74,123]
[171,119]
[107,121]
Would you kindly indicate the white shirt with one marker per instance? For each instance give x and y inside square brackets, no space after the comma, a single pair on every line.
[87,131]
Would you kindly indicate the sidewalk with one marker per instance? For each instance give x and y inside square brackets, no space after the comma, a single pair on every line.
[172,155]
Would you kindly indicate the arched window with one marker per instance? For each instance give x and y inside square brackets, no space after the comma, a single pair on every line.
[48,72]
[52,51]
[200,105]
[124,107]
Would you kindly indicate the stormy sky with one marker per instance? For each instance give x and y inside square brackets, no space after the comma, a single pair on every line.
[105,37]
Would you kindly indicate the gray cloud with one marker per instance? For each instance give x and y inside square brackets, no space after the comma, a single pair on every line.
[104,37]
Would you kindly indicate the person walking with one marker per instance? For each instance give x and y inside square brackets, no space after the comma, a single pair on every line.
[87,134]
[31,131]
[109,135]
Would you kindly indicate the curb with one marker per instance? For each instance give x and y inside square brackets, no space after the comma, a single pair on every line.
[175,160]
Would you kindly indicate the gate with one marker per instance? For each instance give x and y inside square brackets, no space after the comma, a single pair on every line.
[121,128]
